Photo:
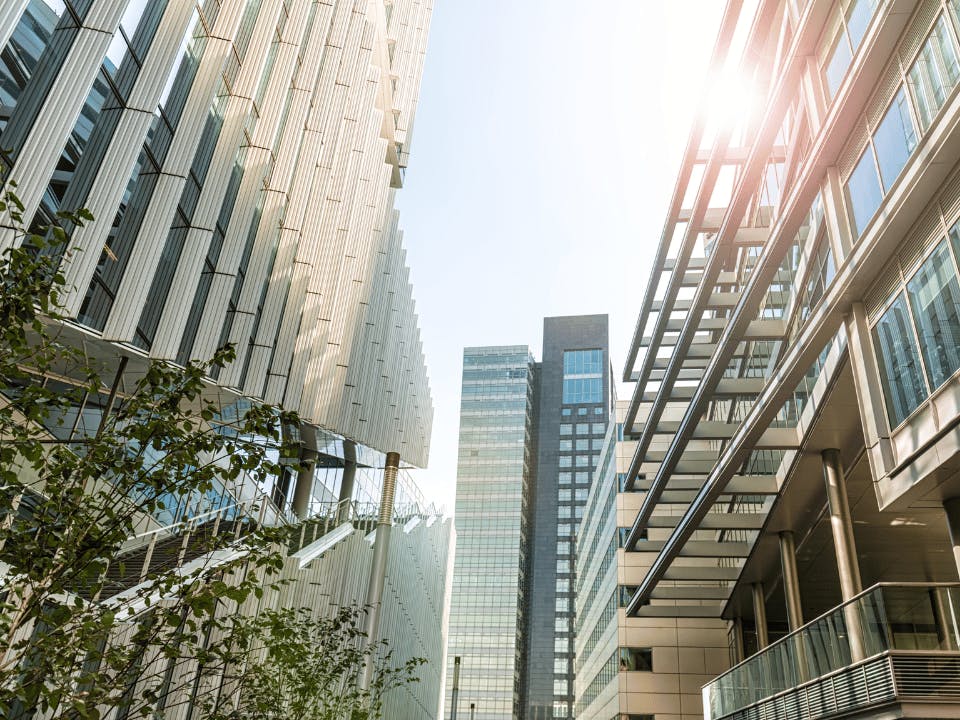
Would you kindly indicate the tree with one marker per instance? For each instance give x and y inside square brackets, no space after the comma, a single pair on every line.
[104,611]
[289,664]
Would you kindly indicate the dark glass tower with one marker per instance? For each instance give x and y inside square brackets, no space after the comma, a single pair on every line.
[574,409]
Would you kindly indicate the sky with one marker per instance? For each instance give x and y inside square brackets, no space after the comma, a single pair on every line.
[546,144]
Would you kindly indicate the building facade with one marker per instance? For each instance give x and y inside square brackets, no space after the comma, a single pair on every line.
[240,161]
[795,413]
[574,407]
[488,610]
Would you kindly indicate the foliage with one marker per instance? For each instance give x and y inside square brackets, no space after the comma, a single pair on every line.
[291,664]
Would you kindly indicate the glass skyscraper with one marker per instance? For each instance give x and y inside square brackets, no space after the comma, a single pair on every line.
[494,474]
[530,439]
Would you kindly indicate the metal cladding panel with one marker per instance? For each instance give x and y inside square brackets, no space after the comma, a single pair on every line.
[292,139]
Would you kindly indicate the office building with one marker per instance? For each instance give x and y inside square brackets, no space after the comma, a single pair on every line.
[240,161]
[530,438]
[495,468]
[795,409]
[574,406]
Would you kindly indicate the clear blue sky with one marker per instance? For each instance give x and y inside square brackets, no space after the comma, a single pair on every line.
[545,149]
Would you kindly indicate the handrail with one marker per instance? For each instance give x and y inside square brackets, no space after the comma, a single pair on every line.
[186,521]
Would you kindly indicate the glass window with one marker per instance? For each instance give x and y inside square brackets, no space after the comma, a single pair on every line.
[563,530]
[564,461]
[563,494]
[566,429]
[863,191]
[934,73]
[599,428]
[899,361]
[560,665]
[582,362]
[583,461]
[563,548]
[837,64]
[563,586]
[894,139]
[582,390]
[935,301]
[583,477]
[565,412]
[597,444]
[559,687]
[583,428]
[564,512]
[858,19]
[583,444]
[581,411]
[582,494]
[563,566]
[564,478]
[598,410]
[566,445]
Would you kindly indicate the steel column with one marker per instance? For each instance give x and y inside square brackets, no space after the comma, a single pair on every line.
[791,581]
[760,615]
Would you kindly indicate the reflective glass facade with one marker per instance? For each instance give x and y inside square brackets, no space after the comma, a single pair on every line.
[494,474]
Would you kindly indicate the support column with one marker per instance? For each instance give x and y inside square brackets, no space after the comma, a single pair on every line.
[760,615]
[378,569]
[739,651]
[304,486]
[347,481]
[844,546]
[952,508]
[791,581]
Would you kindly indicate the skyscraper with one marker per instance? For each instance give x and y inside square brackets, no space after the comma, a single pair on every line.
[574,407]
[530,437]
[494,476]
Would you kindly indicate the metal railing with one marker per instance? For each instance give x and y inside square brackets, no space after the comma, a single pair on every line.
[884,618]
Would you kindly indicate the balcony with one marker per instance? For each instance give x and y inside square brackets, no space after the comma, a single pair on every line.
[894,646]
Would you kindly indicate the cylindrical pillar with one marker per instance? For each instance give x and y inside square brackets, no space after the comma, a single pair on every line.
[347,481]
[952,508]
[791,581]
[739,650]
[378,569]
[473,711]
[760,615]
[455,695]
[304,487]
[845,547]
[842,525]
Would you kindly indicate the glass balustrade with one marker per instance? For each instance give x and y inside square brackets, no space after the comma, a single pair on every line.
[886,617]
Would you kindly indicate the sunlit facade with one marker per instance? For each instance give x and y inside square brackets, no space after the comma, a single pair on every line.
[793,470]
[494,477]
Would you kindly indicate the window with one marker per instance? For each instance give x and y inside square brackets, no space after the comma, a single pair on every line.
[583,444]
[935,301]
[566,445]
[563,566]
[564,478]
[566,429]
[853,27]
[563,548]
[583,428]
[582,494]
[594,459]
[582,377]
[561,606]
[583,477]
[559,687]
[899,361]
[581,411]
[563,530]
[636,659]
[563,586]
[598,410]
[934,73]
[863,191]
[894,140]
[597,444]
[563,494]
[565,412]
[564,512]
[559,665]
[582,460]
[564,461]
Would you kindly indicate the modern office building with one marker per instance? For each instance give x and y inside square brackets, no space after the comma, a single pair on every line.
[240,160]
[495,468]
[574,407]
[794,418]
[530,437]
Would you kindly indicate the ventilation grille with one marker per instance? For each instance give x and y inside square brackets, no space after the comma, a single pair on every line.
[855,688]
[927,676]
[851,154]
[917,31]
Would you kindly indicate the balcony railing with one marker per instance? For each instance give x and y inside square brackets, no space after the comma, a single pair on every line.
[891,642]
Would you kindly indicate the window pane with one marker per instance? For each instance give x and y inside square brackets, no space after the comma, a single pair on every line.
[903,385]
[863,191]
[894,140]
[935,301]
[934,73]
[837,65]
[858,19]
